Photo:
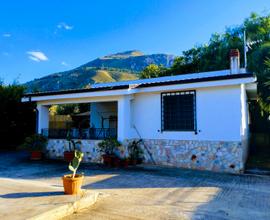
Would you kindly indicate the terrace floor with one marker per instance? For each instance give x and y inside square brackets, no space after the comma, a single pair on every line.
[150,192]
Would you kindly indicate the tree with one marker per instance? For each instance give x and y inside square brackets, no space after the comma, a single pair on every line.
[264,88]
[17,118]
[152,71]
[69,109]
[259,63]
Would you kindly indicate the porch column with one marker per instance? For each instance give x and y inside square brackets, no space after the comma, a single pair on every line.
[124,114]
[43,117]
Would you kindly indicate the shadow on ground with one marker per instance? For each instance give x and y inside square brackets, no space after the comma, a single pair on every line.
[30,194]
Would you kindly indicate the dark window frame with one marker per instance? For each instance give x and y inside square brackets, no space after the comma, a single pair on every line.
[187,92]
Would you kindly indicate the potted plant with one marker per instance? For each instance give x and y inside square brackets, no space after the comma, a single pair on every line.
[36,144]
[72,182]
[70,153]
[135,153]
[122,154]
[107,147]
[124,162]
[116,162]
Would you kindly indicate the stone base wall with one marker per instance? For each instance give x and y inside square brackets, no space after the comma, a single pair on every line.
[57,147]
[217,156]
[220,156]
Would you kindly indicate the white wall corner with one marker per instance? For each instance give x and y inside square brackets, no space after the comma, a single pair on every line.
[43,117]
[244,122]
[124,114]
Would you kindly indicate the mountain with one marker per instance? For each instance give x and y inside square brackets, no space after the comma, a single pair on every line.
[115,67]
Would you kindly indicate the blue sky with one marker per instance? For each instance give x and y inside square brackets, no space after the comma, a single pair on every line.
[47,36]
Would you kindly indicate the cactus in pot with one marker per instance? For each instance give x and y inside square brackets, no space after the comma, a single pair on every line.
[75,163]
[73,182]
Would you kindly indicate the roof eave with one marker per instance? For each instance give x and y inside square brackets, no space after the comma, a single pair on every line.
[143,85]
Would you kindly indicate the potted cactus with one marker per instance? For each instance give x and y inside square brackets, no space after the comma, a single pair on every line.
[36,144]
[72,182]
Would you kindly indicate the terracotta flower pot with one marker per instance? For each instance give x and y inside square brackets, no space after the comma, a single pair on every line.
[132,162]
[68,156]
[116,162]
[124,163]
[36,155]
[139,161]
[108,160]
[72,186]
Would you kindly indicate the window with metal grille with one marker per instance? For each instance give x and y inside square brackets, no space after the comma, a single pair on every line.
[178,110]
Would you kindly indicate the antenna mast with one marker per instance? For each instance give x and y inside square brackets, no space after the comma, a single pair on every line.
[245,50]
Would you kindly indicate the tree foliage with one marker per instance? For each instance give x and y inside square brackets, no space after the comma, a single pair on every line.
[17,118]
[152,71]
[69,109]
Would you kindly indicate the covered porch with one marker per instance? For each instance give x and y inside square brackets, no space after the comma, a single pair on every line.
[95,121]
[108,117]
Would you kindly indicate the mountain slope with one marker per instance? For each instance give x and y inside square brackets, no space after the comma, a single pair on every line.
[133,61]
[110,68]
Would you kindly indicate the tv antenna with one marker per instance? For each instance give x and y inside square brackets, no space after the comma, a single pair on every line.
[248,46]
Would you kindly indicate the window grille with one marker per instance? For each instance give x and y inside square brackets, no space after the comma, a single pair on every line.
[178,111]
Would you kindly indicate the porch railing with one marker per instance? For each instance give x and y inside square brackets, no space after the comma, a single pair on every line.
[89,133]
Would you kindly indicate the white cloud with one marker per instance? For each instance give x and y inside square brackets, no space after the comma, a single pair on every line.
[6,35]
[65,26]
[5,54]
[37,56]
[64,63]
[34,58]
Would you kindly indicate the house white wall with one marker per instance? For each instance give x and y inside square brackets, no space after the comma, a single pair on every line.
[221,114]
[218,116]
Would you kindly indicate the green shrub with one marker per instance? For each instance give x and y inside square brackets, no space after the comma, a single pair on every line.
[108,146]
[135,151]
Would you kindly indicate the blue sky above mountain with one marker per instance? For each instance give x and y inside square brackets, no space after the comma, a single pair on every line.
[39,38]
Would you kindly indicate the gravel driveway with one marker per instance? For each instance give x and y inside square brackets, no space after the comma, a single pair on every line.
[153,192]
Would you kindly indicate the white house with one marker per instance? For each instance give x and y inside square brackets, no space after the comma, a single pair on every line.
[197,121]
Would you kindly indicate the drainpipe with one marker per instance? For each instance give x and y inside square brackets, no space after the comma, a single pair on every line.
[37,113]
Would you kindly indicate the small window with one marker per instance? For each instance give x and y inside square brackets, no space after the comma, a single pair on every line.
[178,111]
